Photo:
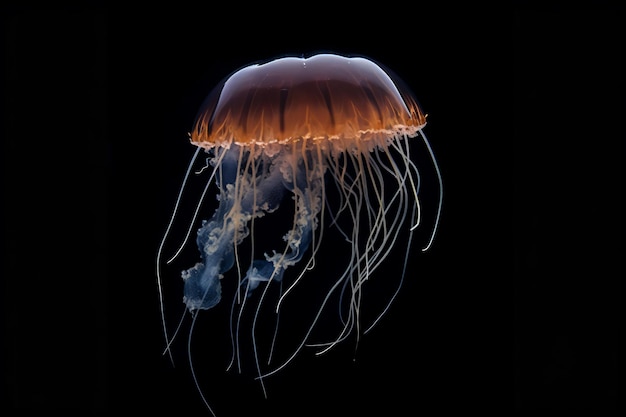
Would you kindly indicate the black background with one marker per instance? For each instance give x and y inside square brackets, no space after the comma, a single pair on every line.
[513,310]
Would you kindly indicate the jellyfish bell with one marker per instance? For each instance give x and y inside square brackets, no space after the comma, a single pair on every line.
[322,98]
[292,132]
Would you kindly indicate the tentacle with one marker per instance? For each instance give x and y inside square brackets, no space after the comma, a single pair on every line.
[243,196]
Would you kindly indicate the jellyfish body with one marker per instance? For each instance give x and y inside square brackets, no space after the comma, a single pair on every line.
[286,132]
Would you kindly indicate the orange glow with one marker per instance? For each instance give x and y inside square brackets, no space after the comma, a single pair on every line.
[324,97]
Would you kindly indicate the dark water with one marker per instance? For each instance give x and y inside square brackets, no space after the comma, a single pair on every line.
[514,308]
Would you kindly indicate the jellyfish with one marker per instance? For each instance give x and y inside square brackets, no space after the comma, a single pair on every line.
[292,132]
